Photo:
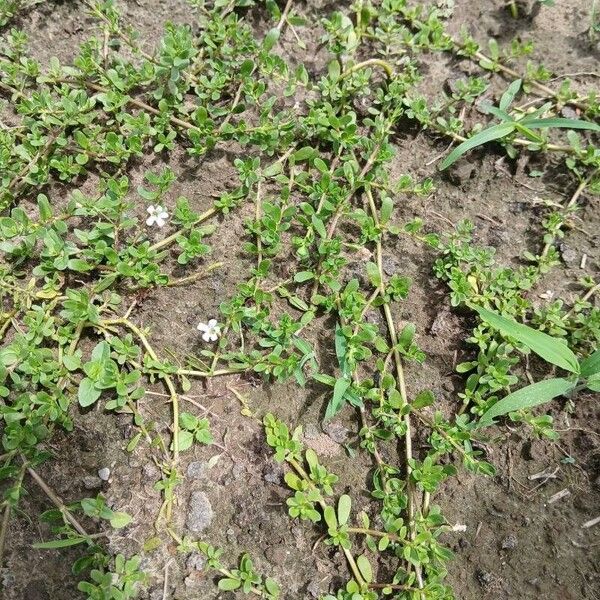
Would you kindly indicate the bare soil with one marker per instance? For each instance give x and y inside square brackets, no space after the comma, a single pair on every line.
[517,543]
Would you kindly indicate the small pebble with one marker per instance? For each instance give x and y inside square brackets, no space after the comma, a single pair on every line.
[196,562]
[509,542]
[569,256]
[484,577]
[273,474]
[200,513]
[91,482]
[337,432]
[104,473]
[196,470]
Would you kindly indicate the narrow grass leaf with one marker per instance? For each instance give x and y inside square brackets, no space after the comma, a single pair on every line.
[551,349]
[509,94]
[336,403]
[494,132]
[65,543]
[527,397]
[560,123]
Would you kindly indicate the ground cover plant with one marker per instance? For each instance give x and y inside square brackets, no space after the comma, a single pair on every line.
[209,287]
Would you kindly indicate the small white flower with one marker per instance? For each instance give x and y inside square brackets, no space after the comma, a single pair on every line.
[158,215]
[210,331]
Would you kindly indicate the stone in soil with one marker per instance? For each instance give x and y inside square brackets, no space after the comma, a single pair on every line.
[200,513]
[196,470]
[509,542]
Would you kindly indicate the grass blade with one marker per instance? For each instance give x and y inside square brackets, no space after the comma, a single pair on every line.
[551,349]
[494,132]
[337,401]
[527,397]
[560,123]
[62,543]
[509,94]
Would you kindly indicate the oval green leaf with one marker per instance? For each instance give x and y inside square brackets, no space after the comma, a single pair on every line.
[344,506]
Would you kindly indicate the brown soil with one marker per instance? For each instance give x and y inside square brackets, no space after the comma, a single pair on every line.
[517,544]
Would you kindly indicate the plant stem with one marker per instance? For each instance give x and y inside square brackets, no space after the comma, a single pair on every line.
[569,205]
[374,533]
[168,381]
[4,531]
[351,562]
[410,491]
[195,276]
[397,360]
[67,514]
[371,62]
[284,15]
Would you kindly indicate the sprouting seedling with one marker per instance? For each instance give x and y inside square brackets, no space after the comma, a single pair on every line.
[554,351]
[511,123]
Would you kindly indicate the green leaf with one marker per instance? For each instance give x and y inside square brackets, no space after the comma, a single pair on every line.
[72,362]
[44,207]
[594,383]
[373,273]
[364,566]
[268,43]
[423,399]
[509,94]
[319,227]
[487,135]
[337,401]
[333,70]
[341,348]
[272,586]
[344,506]
[320,165]
[87,393]
[527,397]
[591,364]
[186,439]
[560,123]
[78,265]
[272,169]
[387,206]
[302,276]
[152,544]
[120,520]
[330,518]
[101,351]
[147,194]
[304,153]
[246,67]
[64,543]
[229,584]
[552,350]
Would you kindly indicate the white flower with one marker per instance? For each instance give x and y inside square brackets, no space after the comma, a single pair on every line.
[157,214]
[210,331]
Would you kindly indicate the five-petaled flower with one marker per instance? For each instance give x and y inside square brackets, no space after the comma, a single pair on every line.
[210,331]
[158,215]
